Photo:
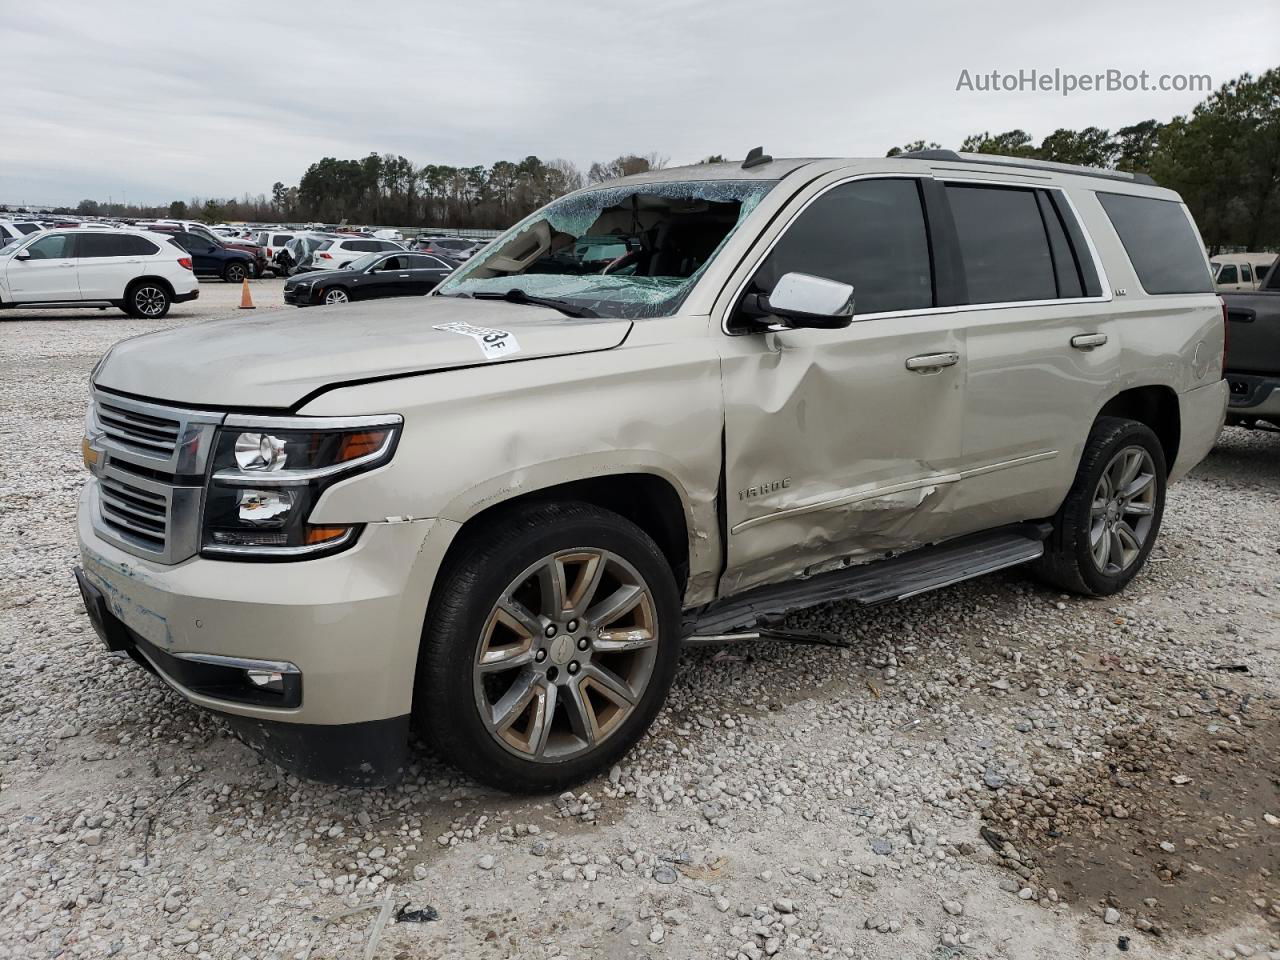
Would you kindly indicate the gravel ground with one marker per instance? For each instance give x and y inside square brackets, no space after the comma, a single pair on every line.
[993,770]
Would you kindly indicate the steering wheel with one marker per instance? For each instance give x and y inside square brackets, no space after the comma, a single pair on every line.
[617,263]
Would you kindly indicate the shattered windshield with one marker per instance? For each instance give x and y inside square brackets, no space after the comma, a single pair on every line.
[630,251]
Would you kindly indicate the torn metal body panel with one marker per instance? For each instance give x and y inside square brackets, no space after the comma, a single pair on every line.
[850,456]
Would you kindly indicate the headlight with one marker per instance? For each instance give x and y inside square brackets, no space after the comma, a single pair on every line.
[268,474]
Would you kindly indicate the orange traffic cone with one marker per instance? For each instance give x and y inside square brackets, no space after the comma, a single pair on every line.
[246,301]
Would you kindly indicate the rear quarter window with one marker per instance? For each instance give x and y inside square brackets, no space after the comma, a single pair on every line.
[1161,244]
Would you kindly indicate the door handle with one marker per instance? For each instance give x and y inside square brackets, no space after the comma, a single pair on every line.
[404,276]
[1087,341]
[66,265]
[932,361]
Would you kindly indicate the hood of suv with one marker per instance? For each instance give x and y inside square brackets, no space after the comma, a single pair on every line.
[254,361]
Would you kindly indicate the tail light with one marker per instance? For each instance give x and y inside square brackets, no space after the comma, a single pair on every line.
[1226,334]
[326,256]
[184,262]
[268,252]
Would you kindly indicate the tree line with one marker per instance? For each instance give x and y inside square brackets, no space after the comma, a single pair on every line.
[1223,158]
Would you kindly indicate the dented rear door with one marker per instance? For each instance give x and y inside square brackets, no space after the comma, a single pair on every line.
[834,448]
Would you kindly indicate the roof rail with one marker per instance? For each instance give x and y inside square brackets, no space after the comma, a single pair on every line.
[1027,163]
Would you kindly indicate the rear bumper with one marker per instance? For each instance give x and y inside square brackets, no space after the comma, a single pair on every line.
[1202,413]
[1253,395]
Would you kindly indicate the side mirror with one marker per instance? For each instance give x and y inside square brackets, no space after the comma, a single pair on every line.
[22,255]
[806,301]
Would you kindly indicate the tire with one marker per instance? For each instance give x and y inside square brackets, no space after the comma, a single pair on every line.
[334,296]
[147,300]
[235,272]
[591,724]
[1105,529]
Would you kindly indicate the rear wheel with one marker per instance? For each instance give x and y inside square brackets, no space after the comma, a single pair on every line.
[549,647]
[235,273]
[334,295]
[1108,524]
[147,300]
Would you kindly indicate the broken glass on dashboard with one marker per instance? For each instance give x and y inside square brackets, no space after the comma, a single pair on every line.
[629,251]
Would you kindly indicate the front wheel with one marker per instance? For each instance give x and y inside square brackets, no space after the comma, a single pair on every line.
[147,301]
[549,646]
[1108,524]
[235,273]
[334,296]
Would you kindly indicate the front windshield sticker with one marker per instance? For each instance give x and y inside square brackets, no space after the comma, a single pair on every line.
[494,344]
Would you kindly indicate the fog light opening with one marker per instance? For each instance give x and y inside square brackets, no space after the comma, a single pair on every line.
[266,680]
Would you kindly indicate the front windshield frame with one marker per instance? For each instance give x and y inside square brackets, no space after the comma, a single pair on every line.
[608,295]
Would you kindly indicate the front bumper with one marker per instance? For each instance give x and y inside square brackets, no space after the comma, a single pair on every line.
[350,623]
[298,296]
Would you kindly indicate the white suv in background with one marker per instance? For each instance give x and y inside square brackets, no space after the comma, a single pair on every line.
[336,254]
[139,273]
[16,229]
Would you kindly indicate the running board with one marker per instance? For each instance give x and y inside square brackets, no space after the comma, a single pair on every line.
[879,581]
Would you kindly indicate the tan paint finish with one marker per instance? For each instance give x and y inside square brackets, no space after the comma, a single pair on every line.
[874,457]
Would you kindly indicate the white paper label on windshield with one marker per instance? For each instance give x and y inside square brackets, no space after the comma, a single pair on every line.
[494,344]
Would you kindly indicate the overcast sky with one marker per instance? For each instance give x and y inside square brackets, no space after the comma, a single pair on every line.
[156,101]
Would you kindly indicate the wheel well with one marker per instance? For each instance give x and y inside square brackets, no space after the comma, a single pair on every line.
[648,501]
[1155,406]
[158,281]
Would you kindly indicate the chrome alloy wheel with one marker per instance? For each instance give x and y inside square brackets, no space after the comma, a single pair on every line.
[1122,510]
[335,296]
[566,654]
[149,301]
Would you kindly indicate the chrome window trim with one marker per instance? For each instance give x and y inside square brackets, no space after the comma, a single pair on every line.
[1105,297]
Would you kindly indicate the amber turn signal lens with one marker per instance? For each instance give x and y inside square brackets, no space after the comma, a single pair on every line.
[315,535]
[356,445]
[88,454]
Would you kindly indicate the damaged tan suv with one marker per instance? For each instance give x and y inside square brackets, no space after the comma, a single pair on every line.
[498,512]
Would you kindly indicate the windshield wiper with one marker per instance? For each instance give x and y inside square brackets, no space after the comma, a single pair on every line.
[516,295]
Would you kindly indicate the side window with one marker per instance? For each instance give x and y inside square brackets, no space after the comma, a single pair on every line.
[1004,245]
[279,240]
[5,234]
[393,263]
[1161,243]
[1227,274]
[28,228]
[53,247]
[1246,275]
[132,246]
[870,234]
[98,245]
[388,245]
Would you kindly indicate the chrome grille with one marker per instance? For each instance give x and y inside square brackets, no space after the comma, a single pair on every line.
[156,436]
[135,512]
[150,472]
